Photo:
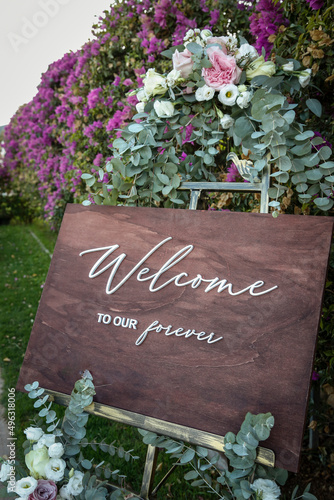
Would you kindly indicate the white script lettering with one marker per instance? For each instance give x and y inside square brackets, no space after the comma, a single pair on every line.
[178,332]
[219,284]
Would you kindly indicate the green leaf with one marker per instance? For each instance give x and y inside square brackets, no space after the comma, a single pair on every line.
[300,177]
[187,456]
[86,464]
[192,474]
[194,48]
[314,175]
[163,178]
[315,106]
[305,135]
[135,127]
[284,163]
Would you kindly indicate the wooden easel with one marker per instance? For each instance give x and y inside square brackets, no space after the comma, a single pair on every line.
[175,431]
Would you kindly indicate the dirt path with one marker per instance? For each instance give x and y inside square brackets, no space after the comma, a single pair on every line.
[3,426]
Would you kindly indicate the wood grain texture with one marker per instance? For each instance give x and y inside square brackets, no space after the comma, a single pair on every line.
[263,363]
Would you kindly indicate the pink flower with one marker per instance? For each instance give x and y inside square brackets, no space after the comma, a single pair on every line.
[45,490]
[220,41]
[224,69]
[183,62]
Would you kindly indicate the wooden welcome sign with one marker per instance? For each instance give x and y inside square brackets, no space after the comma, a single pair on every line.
[189,317]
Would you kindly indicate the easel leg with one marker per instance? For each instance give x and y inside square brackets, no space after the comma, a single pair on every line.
[149,471]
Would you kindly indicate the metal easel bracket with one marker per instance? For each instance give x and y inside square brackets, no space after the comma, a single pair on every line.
[248,187]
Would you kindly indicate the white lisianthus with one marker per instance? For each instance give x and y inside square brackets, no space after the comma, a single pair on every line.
[267,488]
[154,83]
[226,122]
[33,433]
[243,99]
[54,469]
[190,33]
[163,108]
[228,94]
[25,486]
[4,472]
[56,450]
[305,77]
[247,53]
[64,493]
[204,93]
[46,440]
[140,107]
[172,77]
[141,95]
[288,66]
[75,485]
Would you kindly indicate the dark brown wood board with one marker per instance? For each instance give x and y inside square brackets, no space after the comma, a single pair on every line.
[258,347]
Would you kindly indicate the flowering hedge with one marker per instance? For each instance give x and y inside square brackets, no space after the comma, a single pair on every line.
[83,100]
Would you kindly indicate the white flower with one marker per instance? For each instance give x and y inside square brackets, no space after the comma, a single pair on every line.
[228,94]
[163,108]
[305,77]
[45,440]
[154,83]
[56,450]
[64,493]
[242,88]
[172,77]
[230,41]
[204,93]
[141,95]
[227,121]
[33,433]
[140,107]
[266,488]
[4,472]
[243,99]
[75,485]
[25,486]
[206,34]
[288,66]
[189,34]
[54,469]
[247,53]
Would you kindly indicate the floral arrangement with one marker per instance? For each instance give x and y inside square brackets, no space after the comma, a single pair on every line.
[219,86]
[55,467]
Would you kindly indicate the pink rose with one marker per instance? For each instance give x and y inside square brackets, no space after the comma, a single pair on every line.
[224,69]
[183,62]
[45,490]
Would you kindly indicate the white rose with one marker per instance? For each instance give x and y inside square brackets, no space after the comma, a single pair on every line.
[33,433]
[243,99]
[228,94]
[140,107]
[172,77]
[267,488]
[154,83]
[75,485]
[163,108]
[204,93]
[54,469]
[247,53]
[305,77]
[64,493]
[141,95]
[56,450]
[288,66]
[227,121]
[25,486]
[4,472]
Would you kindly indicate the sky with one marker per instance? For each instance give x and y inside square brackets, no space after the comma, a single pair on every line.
[33,34]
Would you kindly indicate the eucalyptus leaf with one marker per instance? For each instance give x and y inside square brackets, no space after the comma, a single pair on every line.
[315,106]
[187,456]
